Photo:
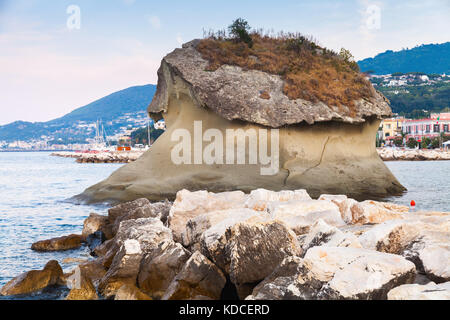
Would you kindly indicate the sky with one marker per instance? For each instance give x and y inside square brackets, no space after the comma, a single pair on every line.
[56,56]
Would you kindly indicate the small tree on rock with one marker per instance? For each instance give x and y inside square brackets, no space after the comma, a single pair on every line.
[239,30]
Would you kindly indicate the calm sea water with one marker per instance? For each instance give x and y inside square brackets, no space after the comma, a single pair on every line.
[33,187]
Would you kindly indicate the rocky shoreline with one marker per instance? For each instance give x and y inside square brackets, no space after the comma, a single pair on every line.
[262,245]
[386,154]
[101,157]
[390,154]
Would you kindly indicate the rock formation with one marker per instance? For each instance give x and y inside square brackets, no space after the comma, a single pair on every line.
[318,147]
[264,245]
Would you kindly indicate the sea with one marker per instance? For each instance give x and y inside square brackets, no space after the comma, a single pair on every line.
[34,188]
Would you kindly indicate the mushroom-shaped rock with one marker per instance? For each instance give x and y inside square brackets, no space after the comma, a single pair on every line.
[293,143]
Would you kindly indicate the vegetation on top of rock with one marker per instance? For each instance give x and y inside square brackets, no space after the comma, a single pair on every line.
[310,72]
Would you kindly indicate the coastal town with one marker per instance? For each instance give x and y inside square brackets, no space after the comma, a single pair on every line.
[426,133]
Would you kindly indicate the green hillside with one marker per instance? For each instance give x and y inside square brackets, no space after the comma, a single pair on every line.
[115,111]
[431,58]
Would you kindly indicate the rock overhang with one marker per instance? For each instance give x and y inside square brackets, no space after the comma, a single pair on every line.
[236,94]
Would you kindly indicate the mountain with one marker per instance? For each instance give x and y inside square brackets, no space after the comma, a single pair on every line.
[430,59]
[116,111]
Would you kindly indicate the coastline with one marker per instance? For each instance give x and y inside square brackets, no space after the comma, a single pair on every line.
[386,154]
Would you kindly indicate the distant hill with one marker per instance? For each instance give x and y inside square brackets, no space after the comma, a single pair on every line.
[430,59]
[120,109]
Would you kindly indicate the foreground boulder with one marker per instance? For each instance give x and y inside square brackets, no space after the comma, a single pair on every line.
[134,239]
[431,254]
[130,292]
[81,286]
[188,205]
[126,208]
[95,222]
[248,251]
[301,215]
[199,279]
[261,198]
[70,242]
[429,291]
[336,273]
[218,220]
[322,148]
[322,234]
[160,267]
[34,280]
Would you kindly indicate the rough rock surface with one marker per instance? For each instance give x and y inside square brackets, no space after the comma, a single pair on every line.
[376,212]
[320,148]
[322,234]
[301,215]
[159,268]
[222,91]
[198,278]
[72,241]
[429,291]
[130,292]
[261,198]
[126,208]
[95,222]
[197,226]
[431,254]
[336,273]
[82,288]
[188,205]
[135,239]
[34,280]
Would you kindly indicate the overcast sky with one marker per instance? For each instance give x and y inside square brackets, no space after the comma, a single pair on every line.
[49,67]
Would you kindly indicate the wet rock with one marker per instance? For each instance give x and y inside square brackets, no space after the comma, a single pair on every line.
[159,268]
[199,277]
[94,240]
[126,208]
[130,292]
[94,223]
[188,205]
[259,199]
[322,234]
[301,215]
[72,241]
[34,280]
[430,291]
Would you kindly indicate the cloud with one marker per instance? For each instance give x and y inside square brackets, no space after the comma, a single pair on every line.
[155,22]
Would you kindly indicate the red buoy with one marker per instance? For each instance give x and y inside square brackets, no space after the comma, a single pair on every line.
[413,203]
